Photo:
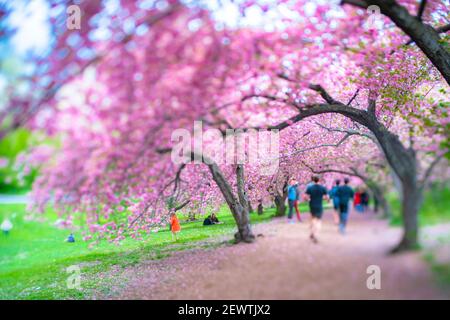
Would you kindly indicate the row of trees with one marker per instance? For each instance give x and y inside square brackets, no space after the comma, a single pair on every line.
[347,99]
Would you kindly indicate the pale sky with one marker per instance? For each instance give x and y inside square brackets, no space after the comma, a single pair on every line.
[32,29]
[33,32]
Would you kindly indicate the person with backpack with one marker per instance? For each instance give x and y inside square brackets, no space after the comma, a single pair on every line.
[335,198]
[345,194]
[297,203]
[292,198]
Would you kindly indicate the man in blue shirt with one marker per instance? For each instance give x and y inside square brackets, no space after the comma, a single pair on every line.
[345,194]
[316,193]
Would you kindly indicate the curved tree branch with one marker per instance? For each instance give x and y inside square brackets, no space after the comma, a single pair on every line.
[349,132]
[425,36]
[421,10]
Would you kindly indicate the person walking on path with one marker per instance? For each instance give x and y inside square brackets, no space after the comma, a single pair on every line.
[345,194]
[297,203]
[292,198]
[316,193]
[357,200]
[335,198]
[364,199]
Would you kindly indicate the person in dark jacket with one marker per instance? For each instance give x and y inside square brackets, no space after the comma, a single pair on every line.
[316,192]
[211,219]
[345,194]
[364,199]
[335,198]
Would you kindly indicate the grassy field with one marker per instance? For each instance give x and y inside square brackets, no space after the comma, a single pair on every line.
[10,147]
[435,208]
[441,271]
[34,256]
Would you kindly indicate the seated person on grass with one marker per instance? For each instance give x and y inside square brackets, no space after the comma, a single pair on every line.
[211,219]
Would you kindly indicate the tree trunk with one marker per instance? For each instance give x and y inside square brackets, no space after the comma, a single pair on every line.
[403,162]
[242,218]
[191,216]
[238,205]
[280,204]
[260,208]
[385,207]
[280,201]
[244,231]
[250,208]
[412,200]
[379,199]
[376,204]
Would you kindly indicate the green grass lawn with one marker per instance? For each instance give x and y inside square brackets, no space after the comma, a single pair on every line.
[441,271]
[435,207]
[10,147]
[34,256]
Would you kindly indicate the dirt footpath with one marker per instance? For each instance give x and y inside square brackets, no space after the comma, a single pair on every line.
[285,264]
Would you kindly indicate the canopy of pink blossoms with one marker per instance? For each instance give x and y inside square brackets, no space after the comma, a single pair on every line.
[120,98]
